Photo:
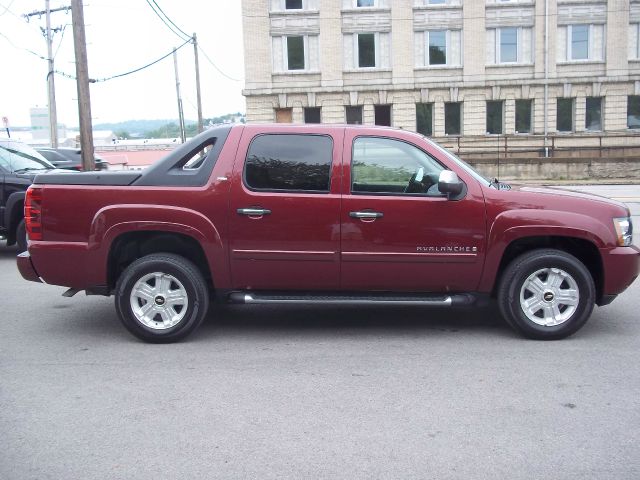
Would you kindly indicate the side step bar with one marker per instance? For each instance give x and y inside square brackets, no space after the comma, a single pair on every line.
[453,300]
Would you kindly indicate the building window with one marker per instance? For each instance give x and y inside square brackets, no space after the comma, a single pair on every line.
[293,4]
[365,3]
[388,166]
[295,53]
[424,118]
[366,50]
[633,111]
[312,115]
[442,47]
[524,112]
[436,2]
[593,114]
[354,115]
[509,45]
[564,115]
[382,115]
[437,48]
[284,115]
[452,118]
[580,43]
[495,109]
[289,162]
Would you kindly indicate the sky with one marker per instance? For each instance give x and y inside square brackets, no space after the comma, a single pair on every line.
[123,35]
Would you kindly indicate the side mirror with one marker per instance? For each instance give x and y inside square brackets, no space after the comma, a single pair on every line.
[449,183]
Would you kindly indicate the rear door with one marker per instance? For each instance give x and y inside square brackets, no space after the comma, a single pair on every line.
[398,232]
[285,209]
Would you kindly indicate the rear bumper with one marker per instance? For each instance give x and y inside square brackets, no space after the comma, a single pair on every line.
[26,268]
[621,267]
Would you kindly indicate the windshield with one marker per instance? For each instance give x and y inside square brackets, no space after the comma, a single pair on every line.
[19,158]
[468,168]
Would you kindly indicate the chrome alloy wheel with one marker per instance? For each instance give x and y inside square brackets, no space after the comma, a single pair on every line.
[159,301]
[549,297]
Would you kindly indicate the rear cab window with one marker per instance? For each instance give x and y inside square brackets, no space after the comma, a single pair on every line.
[285,162]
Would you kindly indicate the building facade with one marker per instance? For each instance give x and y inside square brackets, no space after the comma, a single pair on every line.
[446,67]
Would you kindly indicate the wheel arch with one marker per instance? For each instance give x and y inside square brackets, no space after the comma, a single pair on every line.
[584,250]
[129,246]
[13,214]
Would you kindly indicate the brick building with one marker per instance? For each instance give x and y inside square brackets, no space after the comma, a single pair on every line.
[446,67]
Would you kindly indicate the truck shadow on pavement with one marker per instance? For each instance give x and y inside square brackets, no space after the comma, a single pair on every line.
[260,319]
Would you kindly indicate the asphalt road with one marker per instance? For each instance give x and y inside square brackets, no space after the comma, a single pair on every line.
[313,393]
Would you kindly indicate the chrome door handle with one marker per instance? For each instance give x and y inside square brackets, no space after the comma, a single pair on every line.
[366,215]
[254,212]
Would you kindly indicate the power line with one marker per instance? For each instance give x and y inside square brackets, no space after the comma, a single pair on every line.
[173,27]
[64,28]
[22,48]
[98,80]
[181,36]
[6,9]
[216,67]
[170,21]
[140,68]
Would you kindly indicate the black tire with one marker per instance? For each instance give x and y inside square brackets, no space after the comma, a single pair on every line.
[181,274]
[521,270]
[21,236]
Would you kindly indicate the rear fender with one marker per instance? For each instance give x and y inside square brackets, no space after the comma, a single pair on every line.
[114,220]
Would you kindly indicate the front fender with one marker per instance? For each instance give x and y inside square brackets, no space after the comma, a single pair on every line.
[513,225]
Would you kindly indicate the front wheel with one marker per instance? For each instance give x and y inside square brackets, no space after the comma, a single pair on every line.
[161,298]
[546,294]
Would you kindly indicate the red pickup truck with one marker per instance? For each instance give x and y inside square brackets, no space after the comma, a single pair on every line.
[324,214]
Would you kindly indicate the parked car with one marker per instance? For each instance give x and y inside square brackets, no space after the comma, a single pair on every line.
[70,158]
[19,164]
[324,214]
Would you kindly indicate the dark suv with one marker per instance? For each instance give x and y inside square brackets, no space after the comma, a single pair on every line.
[69,158]
[19,164]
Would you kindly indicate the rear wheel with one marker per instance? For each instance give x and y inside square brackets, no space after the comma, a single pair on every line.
[161,298]
[546,294]
[21,236]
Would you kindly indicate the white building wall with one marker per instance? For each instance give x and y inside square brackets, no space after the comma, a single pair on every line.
[401,77]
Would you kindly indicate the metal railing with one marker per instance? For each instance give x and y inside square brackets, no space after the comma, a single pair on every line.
[625,144]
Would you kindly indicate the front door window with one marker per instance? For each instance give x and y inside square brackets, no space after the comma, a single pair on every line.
[386,166]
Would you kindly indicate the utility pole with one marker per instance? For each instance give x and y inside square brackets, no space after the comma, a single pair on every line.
[48,33]
[53,114]
[180,114]
[82,76]
[198,95]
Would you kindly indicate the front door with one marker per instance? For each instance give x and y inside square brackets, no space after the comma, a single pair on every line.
[398,232]
[285,210]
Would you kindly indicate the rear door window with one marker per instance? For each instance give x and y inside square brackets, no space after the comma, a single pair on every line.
[289,162]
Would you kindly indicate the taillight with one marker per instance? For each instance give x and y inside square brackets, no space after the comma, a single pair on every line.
[33,213]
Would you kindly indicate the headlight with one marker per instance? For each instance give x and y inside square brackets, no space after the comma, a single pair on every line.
[624,231]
